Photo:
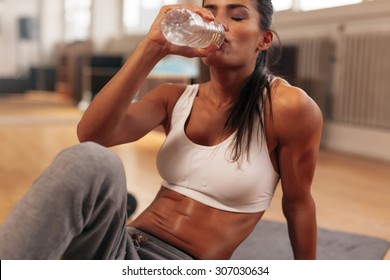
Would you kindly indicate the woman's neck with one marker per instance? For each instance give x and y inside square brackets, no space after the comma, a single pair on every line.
[225,86]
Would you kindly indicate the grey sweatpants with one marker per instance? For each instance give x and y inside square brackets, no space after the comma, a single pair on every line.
[77,210]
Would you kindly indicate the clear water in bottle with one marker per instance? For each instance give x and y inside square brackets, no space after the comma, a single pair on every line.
[183,27]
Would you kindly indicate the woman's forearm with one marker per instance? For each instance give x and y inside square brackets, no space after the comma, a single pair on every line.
[112,102]
[302,228]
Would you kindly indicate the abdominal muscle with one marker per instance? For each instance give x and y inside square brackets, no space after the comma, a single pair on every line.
[197,229]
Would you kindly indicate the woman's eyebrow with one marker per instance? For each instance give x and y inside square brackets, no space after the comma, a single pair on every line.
[228,7]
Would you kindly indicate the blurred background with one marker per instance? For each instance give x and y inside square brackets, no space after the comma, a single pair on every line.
[338,51]
[55,55]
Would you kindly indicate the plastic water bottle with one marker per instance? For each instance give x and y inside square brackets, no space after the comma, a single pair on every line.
[184,27]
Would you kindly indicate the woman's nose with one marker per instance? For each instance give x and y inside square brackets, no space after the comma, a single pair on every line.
[223,21]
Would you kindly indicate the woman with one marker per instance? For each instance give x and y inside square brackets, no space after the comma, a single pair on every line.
[219,178]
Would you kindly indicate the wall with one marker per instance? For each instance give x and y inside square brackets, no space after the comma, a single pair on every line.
[51,30]
[15,54]
[106,22]
[18,55]
[366,16]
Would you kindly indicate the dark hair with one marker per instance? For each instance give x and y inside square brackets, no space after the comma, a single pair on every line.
[250,104]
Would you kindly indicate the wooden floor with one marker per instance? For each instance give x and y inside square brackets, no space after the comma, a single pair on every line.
[352,194]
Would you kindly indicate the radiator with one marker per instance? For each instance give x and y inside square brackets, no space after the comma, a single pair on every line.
[314,69]
[362,80]
[348,78]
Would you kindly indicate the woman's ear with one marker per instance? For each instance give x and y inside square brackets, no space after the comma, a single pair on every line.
[266,40]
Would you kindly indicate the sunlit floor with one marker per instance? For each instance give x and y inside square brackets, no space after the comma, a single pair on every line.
[352,194]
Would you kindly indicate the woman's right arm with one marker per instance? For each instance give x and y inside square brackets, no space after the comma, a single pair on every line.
[112,118]
[108,119]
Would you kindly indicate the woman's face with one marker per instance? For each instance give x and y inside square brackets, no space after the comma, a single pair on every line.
[244,37]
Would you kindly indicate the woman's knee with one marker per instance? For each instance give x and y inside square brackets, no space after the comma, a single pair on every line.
[88,161]
[90,154]
[88,168]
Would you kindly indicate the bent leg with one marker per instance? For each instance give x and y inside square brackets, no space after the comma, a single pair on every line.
[75,210]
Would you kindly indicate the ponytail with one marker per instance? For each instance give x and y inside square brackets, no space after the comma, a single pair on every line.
[247,114]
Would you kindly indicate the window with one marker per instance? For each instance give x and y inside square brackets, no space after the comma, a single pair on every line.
[282,5]
[77,20]
[138,15]
[307,5]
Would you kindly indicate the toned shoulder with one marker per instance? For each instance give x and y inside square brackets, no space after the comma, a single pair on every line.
[165,97]
[173,89]
[294,111]
[166,91]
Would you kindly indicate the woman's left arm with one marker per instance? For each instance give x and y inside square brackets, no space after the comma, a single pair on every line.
[298,122]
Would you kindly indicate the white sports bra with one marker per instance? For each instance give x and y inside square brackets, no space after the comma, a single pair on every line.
[207,174]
